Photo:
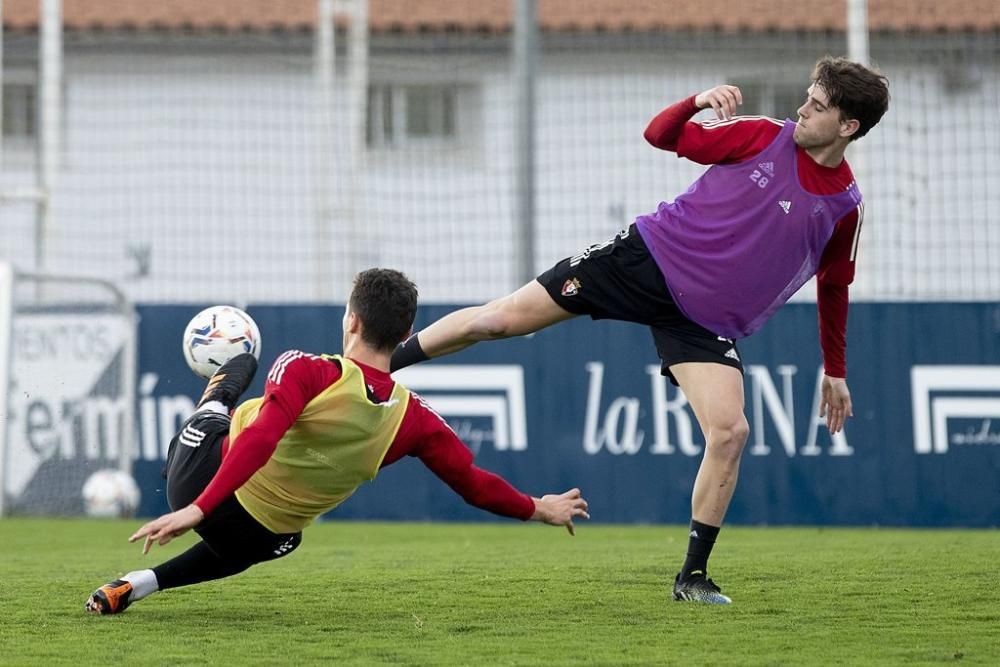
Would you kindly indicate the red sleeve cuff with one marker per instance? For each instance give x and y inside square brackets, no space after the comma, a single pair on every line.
[528,510]
[665,129]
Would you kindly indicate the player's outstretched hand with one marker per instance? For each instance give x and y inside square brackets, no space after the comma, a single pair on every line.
[168,526]
[835,403]
[723,99]
[560,510]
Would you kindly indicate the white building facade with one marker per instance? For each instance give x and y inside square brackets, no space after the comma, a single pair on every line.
[192,170]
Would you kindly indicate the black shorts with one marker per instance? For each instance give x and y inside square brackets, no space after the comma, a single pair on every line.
[193,458]
[619,280]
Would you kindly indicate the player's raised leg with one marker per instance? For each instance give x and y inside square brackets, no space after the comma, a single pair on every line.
[715,392]
[227,384]
[525,311]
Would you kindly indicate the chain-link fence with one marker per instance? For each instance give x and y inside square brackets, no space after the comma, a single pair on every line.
[194,169]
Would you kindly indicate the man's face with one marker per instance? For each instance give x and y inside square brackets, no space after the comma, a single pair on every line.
[819,123]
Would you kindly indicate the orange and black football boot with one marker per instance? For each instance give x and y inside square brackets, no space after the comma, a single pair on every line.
[230,381]
[111,598]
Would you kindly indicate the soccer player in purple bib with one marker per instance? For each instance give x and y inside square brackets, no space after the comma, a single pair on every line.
[778,205]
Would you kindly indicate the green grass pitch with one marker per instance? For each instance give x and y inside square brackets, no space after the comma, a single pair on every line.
[512,594]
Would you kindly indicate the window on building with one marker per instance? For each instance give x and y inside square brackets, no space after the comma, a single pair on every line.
[769,98]
[19,111]
[409,115]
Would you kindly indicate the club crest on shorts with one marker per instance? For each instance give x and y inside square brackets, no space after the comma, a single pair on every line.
[571,287]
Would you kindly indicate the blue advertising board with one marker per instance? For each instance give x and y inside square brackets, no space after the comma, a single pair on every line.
[583,404]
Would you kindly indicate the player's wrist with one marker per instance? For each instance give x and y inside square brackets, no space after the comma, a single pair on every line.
[541,511]
[196,510]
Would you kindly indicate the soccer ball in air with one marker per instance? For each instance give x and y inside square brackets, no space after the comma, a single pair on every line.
[216,335]
[109,494]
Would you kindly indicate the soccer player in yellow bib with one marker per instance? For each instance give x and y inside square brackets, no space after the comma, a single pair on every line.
[248,481]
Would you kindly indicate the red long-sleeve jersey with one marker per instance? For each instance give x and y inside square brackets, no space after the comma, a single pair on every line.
[741,138]
[297,377]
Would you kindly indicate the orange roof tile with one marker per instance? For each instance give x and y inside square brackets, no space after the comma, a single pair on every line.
[496,15]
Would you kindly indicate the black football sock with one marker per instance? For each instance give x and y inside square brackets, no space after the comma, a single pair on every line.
[229,382]
[407,353]
[700,543]
[197,564]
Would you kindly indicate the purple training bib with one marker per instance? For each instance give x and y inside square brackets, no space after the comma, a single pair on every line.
[743,238]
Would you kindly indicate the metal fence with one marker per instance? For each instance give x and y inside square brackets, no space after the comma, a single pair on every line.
[200,168]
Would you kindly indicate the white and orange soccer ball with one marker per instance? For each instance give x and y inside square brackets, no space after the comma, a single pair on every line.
[110,494]
[216,335]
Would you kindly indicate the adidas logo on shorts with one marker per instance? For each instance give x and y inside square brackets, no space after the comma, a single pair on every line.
[191,437]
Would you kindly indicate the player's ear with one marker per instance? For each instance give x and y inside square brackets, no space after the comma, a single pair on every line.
[848,127]
[352,323]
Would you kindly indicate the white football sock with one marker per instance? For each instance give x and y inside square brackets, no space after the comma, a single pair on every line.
[215,406]
[143,583]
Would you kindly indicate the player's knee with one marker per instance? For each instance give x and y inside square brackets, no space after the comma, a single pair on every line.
[726,439]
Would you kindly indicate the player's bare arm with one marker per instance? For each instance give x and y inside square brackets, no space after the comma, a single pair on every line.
[561,509]
[722,99]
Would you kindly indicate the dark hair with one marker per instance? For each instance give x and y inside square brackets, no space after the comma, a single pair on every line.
[861,93]
[386,302]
